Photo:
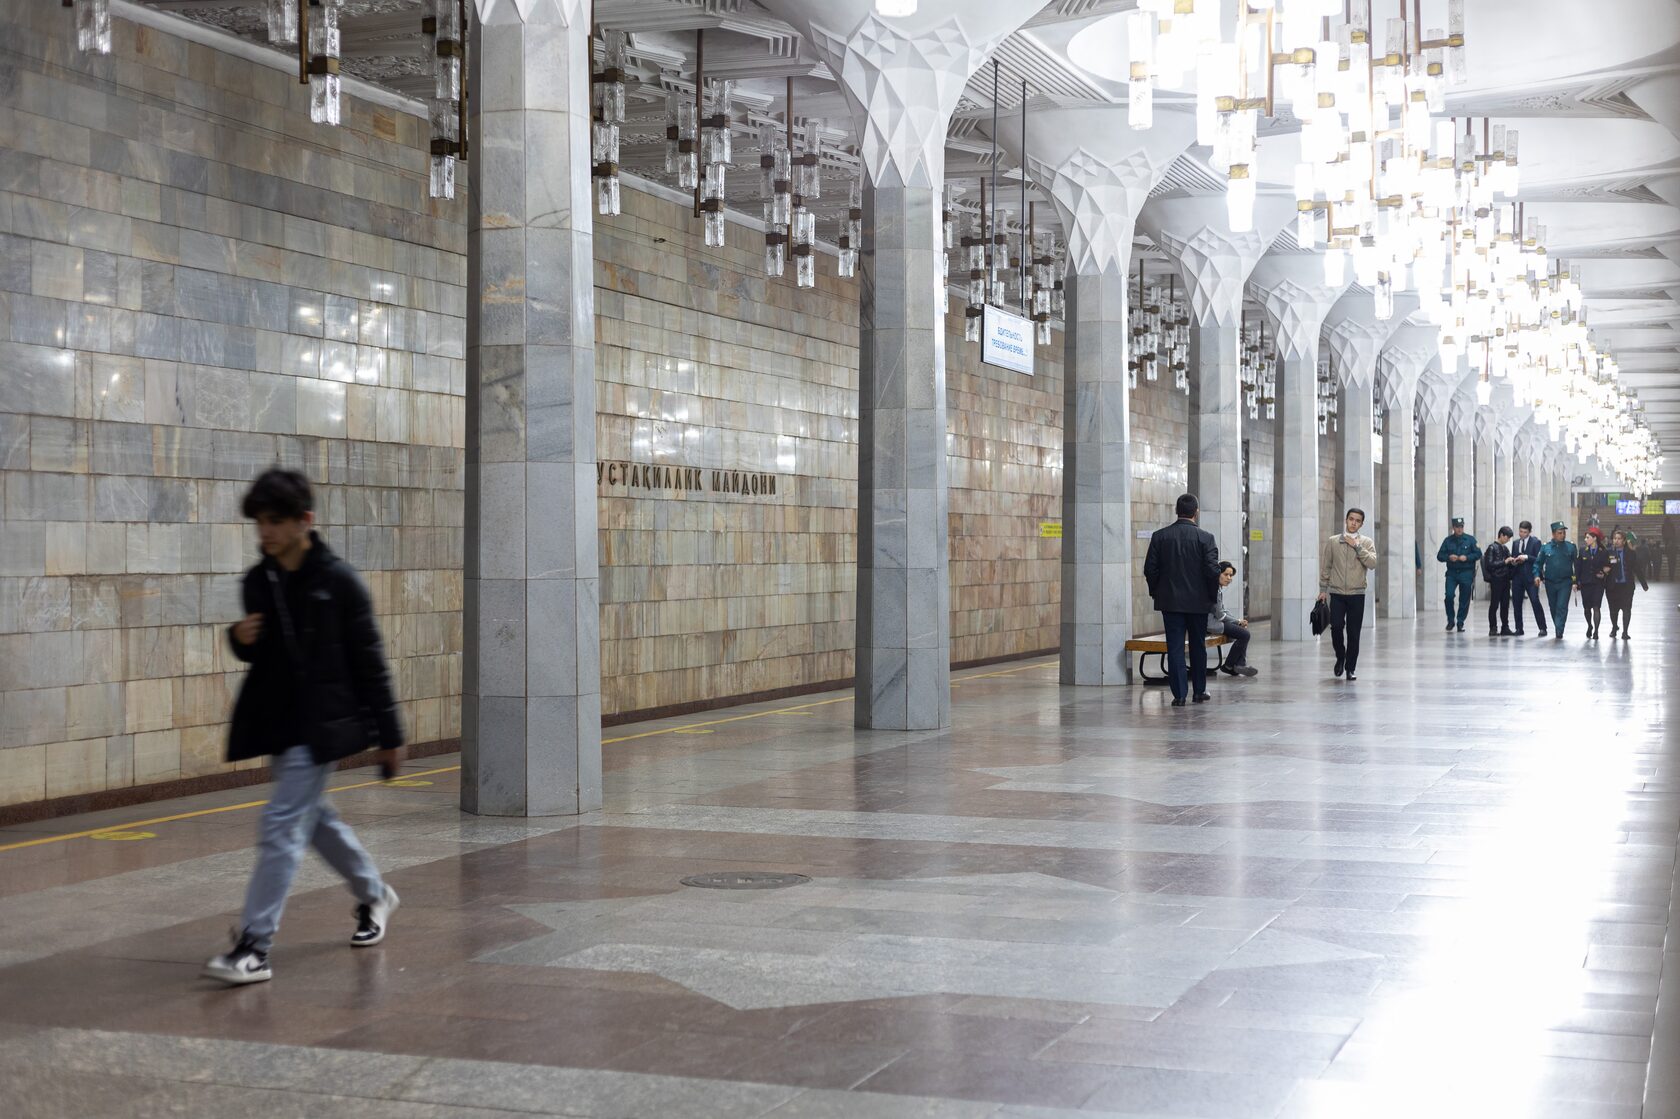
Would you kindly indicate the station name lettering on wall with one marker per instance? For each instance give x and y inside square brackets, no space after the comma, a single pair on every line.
[653,479]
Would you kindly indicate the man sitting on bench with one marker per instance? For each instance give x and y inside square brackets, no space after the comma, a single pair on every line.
[1234,630]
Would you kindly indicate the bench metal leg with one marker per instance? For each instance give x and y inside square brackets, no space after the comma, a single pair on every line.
[1143,670]
[1161,658]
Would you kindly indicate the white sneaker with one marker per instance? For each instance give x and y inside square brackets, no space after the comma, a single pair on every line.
[242,965]
[372,920]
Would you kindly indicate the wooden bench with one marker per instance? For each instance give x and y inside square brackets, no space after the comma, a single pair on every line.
[1155,645]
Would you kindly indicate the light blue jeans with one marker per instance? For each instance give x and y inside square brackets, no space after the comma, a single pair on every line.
[297,815]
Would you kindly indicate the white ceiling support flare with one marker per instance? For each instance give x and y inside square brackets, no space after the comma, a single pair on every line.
[903,76]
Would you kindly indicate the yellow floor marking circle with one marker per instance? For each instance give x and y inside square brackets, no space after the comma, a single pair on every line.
[123,836]
[407,783]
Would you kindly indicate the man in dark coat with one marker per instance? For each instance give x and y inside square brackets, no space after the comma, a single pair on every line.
[1182,570]
[318,692]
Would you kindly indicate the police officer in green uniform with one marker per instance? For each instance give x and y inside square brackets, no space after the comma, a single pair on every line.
[1461,554]
[1555,568]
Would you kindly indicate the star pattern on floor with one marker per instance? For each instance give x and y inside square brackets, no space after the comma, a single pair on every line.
[1017,935]
[1235,779]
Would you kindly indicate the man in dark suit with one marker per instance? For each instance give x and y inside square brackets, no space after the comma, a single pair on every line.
[1182,570]
[1525,553]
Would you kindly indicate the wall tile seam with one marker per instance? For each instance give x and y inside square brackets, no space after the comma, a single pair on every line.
[349,135]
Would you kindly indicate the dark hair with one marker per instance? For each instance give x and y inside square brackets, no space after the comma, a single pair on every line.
[1187,505]
[1227,565]
[1352,510]
[1505,530]
[1526,524]
[281,493]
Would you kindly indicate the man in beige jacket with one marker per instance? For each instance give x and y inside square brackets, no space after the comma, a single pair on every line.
[1343,564]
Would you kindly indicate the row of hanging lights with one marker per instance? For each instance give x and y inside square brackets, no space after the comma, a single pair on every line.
[1159,319]
[1257,370]
[1327,397]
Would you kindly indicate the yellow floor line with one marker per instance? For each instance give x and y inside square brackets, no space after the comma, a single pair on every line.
[196,814]
[455,768]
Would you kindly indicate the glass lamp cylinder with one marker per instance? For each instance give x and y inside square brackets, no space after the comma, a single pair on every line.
[282,20]
[324,43]
[93,26]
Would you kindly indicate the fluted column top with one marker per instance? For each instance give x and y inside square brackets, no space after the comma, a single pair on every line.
[1410,349]
[1291,289]
[1435,394]
[1356,336]
[902,77]
[1098,172]
[1213,261]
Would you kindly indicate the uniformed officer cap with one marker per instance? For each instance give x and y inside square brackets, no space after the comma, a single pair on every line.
[1458,520]
[1559,526]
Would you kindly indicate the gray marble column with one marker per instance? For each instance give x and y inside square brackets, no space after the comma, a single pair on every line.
[1434,404]
[903,591]
[1528,442]
[1481,513]
[1409,351]
[1290,288]
[1098,172]
[1511,419]
[531,684]
[1356,337]
[1461,423]
[1214,263]
[901,79]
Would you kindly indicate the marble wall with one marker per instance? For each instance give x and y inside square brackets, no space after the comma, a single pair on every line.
[185,300]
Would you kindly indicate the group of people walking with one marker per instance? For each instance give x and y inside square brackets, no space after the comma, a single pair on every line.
[1185,575]
[1516,567]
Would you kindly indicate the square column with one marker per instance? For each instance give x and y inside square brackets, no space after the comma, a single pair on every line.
[1399,570]
[531,682]
[1358,438]
[1486,480]
[1432,498]
[1462,475]
[1216,443]
[903,589]
[1215,261]
[1096,483]
[1291,290]
[1504,488]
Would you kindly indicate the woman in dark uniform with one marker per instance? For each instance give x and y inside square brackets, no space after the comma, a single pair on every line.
[1590,568]
[1625,570]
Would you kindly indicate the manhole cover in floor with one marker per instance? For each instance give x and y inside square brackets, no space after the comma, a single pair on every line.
[744,880]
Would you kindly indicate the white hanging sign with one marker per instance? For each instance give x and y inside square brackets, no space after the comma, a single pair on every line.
[1006,340]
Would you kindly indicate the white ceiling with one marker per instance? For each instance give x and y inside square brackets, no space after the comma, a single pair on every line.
[1594,90]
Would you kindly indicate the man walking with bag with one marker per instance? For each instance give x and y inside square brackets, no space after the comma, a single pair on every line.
[1182,570]
[1344,564]
[317,692]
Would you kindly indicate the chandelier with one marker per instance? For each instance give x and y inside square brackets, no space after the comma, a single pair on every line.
[1258,372]
[1160,333]
[607,85]
[1371,163]
[446,26]
[1327,402]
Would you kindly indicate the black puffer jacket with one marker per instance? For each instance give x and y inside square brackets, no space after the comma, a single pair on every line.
[331,685]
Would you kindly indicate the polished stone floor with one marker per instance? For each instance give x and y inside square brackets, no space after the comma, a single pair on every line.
[1446,890]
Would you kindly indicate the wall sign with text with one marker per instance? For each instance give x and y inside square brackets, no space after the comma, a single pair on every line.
[652,480]
[1006,340]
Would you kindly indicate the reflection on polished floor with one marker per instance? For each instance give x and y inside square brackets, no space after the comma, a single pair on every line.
[1445,890]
